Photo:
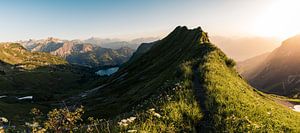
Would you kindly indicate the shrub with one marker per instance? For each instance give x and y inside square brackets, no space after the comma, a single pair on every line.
[230,62]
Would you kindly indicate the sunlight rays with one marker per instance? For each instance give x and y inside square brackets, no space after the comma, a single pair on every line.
[281,19]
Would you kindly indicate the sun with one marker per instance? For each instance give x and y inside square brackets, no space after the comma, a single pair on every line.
[281,19]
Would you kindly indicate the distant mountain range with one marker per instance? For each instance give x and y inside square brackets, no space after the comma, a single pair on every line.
[276,72]
[118,43]
[93,52]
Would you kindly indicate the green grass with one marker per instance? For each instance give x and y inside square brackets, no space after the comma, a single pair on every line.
[235,106]
[177,106]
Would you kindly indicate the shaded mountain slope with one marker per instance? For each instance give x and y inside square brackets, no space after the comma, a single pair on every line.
[142,49]
[192,87]
[45,77]
[36,73]
[251,67]
[279,72]
[143,77]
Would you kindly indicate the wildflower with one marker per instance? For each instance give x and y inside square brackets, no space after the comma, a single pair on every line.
[131,119]
[1,130]
[35,124]
[90,129]
[157,115]
[120,123]
[152,109]
[131,131]
[3,119]
[124,120]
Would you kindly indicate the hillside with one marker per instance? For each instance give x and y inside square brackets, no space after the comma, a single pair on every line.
[279,72]
[46,78]
[80,53]
[185,84]
[15,54]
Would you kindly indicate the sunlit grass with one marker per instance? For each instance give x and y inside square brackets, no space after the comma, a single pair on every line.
[237,107]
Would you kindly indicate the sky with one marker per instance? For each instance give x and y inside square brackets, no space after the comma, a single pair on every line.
[127,19]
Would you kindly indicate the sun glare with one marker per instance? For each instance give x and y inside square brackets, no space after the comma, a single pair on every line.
[281,19]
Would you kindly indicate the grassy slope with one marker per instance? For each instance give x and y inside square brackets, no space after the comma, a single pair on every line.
[234,105]
[145,76]
[46,77]
[15,54]
[230,104]
[42,75]
[227,102]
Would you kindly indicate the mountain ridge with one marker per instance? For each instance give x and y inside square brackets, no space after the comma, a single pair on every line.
[194,87]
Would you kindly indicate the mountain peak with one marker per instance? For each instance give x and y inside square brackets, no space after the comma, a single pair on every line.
[52,39]
[185,28]
[197,34]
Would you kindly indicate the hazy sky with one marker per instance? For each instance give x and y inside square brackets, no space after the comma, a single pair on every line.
[72,19]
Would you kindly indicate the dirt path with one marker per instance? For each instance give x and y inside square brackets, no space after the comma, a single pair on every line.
[204,125]
[200,92]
